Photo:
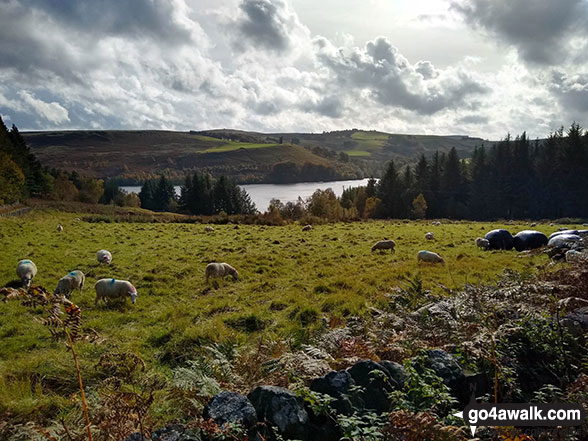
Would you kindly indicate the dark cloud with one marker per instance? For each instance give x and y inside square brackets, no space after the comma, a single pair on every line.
[134,18]
[393,81]
[330,106]
[267,23]
[473,119]
[572,92]
[539,29]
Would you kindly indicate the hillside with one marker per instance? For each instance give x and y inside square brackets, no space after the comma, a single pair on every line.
[248,157]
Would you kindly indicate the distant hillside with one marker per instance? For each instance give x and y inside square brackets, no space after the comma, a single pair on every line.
[248,157]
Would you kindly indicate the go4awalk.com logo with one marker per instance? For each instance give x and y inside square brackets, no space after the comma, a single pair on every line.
[522,414]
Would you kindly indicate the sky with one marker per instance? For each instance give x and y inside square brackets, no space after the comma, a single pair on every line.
[448,67]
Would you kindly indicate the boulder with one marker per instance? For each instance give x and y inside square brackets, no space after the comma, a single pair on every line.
[397,372]
[175,432]
[281,408]
[336,384]
[445,366]
[500,239]
[529,240]
[576,323]
[565,241]
[230,407]
[377,383]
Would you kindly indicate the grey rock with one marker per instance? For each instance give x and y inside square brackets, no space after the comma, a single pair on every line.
[175,432]
[377,383]
[529,240]
[397,372]
[281,408]
[231,407]
[336,384]
[446,367]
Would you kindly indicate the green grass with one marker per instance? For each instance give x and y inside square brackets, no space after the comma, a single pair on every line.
[370,136]
[289,279]
[232,145]
[357,152]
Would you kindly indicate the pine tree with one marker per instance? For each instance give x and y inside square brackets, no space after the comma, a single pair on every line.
[389,191]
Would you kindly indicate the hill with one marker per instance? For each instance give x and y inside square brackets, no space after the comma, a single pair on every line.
[248,157]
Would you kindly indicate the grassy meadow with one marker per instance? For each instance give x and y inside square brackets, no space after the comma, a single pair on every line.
[289,280]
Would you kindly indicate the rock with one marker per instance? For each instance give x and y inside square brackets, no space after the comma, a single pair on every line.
[529,240]
[136,436]
[281,408]
[397,372]
[231,407]
[565,241]
[336,384]
[439,311]
[574,256]
[175,432]
[500,239]
[376,382]
[445,366]
[475,383]
[576,323]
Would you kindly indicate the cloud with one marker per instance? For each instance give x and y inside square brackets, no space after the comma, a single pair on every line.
[53,112]
[270,24]
[391,80]
[540,30]
[572,90]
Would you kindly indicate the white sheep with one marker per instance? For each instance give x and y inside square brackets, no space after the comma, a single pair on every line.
[68,283]
[533,224]
[429,257]
[221,270]
[59,228]
[384,245]
[482,243]
[429,236]
[209,229]
[26,271]
[436,223]
[114,289]
[307,228]
[104,256]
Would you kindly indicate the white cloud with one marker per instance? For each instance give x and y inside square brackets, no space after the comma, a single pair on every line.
[53,112]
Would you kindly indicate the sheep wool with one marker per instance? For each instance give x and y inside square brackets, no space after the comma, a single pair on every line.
[114,289]
[104,256]
[221,270]
[430,257]
[26,271]
[71,281]
[384,245]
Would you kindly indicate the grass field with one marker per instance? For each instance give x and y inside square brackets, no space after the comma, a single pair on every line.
[289,279]
[232,145]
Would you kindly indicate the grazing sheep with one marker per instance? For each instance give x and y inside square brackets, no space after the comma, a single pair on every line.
[59,228]
[69,282]
[307,228]
[26,271]
[482,243]
[500,239]
[114,289]
[221,270]
[436,223]
[429,257]
[429,236]
[209,229]
[384,245]
[533,224]
[104,256]
[77,219]
[529,240]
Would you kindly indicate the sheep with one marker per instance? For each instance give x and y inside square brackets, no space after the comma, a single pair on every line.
[307,228]
[26,270]
[59,228]
[533,224]
[114,289]
[69,282]
[104,256]
[436,223]
[482,243]
[429,257]
[221,270]
[384,245]
[429,236]
[209,229]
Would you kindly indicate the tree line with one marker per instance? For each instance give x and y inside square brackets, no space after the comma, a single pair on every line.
[514,179]
[200,195]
